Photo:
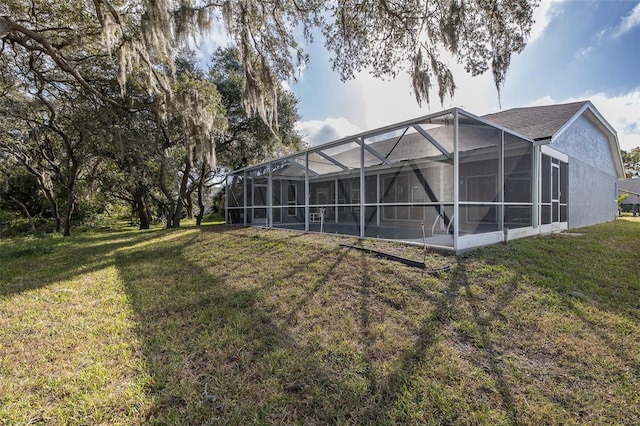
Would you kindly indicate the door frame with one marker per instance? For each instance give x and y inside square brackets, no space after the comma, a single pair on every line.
[554,179]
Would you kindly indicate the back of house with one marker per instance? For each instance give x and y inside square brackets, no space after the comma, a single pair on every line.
[575,136]
[450,180]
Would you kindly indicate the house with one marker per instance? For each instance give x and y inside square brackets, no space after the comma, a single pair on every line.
[451,180]
[581,135]
[632,188]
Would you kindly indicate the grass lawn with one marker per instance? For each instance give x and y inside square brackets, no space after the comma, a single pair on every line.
[222,325]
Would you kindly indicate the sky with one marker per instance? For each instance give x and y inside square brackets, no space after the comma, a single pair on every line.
[578,50]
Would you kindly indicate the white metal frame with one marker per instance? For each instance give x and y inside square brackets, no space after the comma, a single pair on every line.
[459,243]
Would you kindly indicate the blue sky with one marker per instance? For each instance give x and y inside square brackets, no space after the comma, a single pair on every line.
[578,50]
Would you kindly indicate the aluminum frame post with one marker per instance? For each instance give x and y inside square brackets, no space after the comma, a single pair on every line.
[456,180]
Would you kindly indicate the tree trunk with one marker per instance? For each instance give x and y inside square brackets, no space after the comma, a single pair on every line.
[145,222]
[32,224]
[184,183]
[55,210]
[168,211]
[66,232]
[200,202]
[188,205]
[71,181]
[141,207]
[148,211]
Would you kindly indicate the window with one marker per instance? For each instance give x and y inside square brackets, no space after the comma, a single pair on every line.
[482,188]
[402,188]
[517,188]
[388,190]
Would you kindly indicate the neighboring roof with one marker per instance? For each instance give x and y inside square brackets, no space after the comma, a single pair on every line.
[537,123]
[630,185]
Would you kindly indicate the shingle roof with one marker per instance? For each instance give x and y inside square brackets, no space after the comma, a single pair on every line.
[630,185]
[540,122]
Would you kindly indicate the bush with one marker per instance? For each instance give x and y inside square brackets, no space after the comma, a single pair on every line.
[13,224]
[213,217]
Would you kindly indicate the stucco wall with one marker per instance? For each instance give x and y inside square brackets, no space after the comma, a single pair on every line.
[584,141]
[592,195]
[592,174]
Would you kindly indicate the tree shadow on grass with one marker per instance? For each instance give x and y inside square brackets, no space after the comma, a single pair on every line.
[219,348]
[366,342]
[485,317]
[214,352]
[37,263]
[624,352]
[416,390]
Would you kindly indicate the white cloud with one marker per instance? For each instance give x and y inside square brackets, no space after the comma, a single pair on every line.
[316,132]
[629,22]
[542,15]
[385,104]
[584,52]
[285,85]
[207,43]
[388,102]
[545,100]
[622,112]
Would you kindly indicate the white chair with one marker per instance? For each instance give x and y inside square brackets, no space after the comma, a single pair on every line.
[318,217]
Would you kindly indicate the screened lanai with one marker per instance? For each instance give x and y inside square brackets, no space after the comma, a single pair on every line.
[450,180]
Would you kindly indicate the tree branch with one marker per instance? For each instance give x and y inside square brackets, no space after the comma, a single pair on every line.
[7,26]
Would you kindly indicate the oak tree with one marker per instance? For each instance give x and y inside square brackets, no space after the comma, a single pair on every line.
[381,36]
[631,160]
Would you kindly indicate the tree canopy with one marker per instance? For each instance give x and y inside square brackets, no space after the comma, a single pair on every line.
[381,36]
[631,160]
[248,139]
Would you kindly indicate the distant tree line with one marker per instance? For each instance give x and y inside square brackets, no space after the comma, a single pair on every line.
[69,159]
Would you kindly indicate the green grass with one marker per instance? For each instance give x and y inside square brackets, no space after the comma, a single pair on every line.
[210,326]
